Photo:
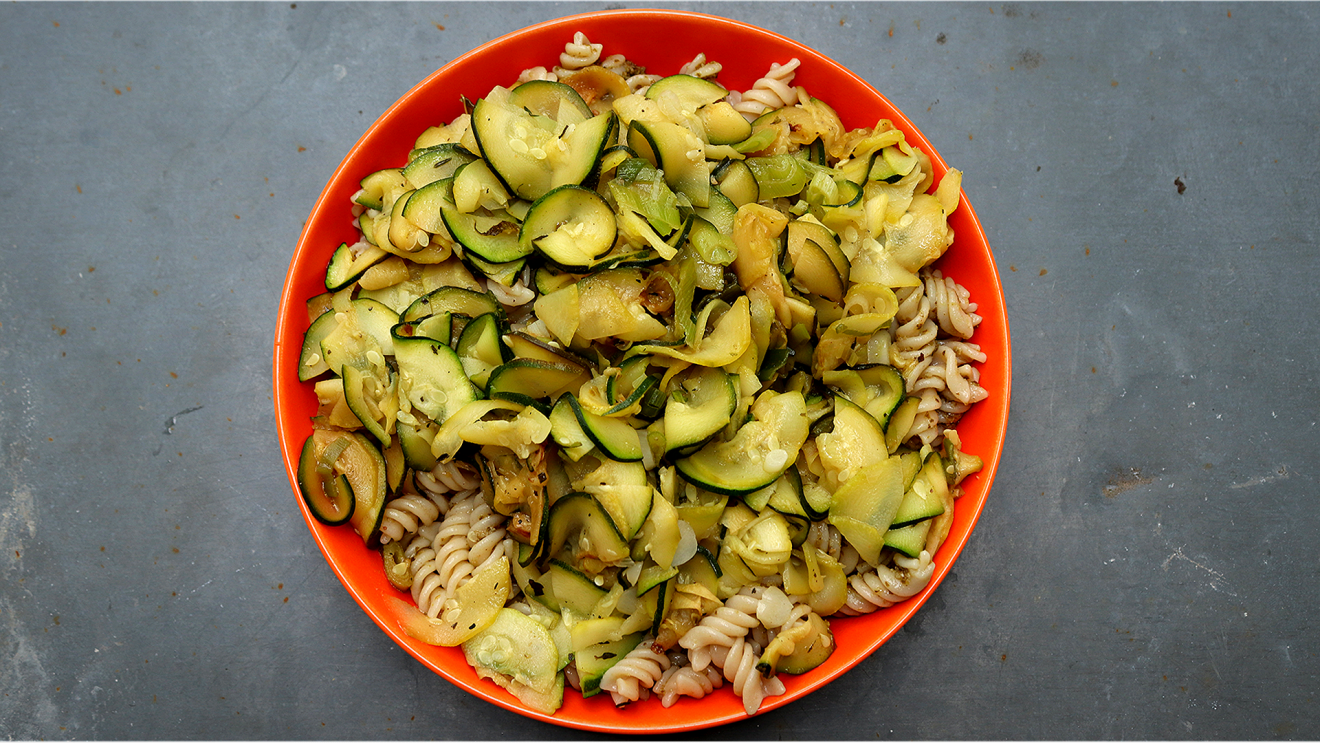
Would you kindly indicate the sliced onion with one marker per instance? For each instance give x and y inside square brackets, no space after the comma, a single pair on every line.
[325,464]
[648,457]
[774,608]
[632,573]
[627,602]
[687,543]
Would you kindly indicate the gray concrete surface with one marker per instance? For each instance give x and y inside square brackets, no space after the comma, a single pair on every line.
[1146,566]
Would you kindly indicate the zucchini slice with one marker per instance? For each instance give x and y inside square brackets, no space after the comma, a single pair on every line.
[678,153]
[924,498]
[701,569]
[864,506]
[900,422]
[910,539]
[580,524]
[886,388]
[761,451]
[819,266]
[311,362]
[497,243]
[360,462]
[736,180]
[723,123]
[475,185]
[344,267]
[422,211]
[593,661]
[622,489]
[356,396]
[533,154]
[363,329]
[432,377]
[452,299]
[524,346]
[434,164]
[572,226]
[699,406]
[416,445]
[613,437]
[479,348]
[565,429]
[689,91]
[523,379]
[506,274]
[547,98]
[919,503]
[571,589]
[330,498]
[518,648]
[378,189]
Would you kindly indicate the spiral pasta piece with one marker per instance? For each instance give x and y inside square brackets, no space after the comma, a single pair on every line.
[929,347]
[449,477]
[884,586]
[485,537]
[701,67]
[632,677]
[409,512]
[685,681]
[435,567]
[579,52]
[537,73]
[738,662]
[720,629]
[511,296]
[825,537]
[955,312]
[772,90]
[914,335]
[640,82]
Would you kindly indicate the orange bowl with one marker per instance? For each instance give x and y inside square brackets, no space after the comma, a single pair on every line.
[662,40]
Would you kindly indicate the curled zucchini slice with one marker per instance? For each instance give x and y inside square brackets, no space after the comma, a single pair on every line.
[571,225]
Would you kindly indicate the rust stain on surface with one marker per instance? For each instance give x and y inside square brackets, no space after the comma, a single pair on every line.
[1122,482]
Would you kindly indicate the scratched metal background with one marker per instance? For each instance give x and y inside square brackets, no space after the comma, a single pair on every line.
[1147,564]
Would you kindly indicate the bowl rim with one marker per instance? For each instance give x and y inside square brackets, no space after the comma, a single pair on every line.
[288,339]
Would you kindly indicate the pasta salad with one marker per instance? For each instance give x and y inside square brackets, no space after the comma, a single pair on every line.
[637,383]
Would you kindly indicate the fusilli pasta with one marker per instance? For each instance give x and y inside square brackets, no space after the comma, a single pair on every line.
[729,622]
[738,662]
[407,513]
[929,345]
[579,52]
[772,90]
[685,681]
[883,586]
[701,67]
[631,678]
